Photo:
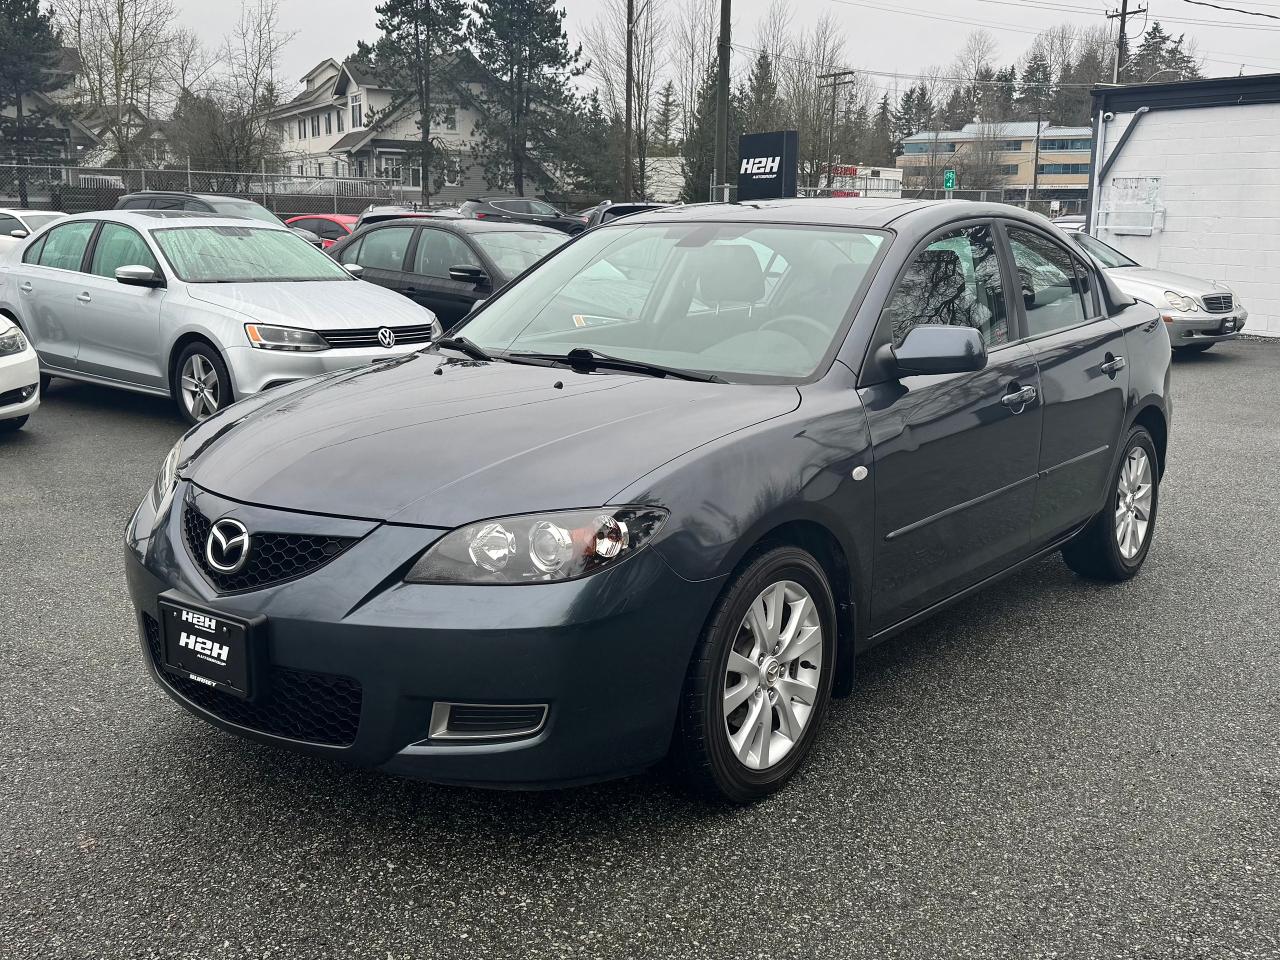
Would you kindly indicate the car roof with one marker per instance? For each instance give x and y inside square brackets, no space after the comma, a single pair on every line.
[338,217]
[144,219]
[211,197]
[23,211]
[466,225]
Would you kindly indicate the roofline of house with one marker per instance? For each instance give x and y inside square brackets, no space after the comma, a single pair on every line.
[1185,94]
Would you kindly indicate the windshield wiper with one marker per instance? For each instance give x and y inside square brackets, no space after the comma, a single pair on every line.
[463,346]
[587,357]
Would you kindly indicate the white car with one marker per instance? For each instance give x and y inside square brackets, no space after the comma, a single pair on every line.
[1198,313]
[19,377]
[17,225]
[203,308]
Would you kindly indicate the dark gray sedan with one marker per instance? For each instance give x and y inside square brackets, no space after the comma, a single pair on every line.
[656,495]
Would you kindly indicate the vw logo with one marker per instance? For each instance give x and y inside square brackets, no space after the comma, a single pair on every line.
[387,337]
[227,547]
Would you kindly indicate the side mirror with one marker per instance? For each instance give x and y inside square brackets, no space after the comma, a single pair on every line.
[468,273]
[354,269]
[19,234]
[940,349]
[137,275]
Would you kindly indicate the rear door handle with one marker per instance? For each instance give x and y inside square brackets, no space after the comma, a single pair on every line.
[25,288]
[1113,365]
[84,298]
[1019,398]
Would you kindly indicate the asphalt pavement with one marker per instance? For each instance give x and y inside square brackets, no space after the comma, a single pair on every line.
[1053,768]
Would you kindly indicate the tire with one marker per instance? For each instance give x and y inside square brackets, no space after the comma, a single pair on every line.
[707,755]
[1097,553]
[201,358]
[45,380]
[13,425]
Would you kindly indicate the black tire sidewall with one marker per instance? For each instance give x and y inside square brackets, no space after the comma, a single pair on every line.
[226,395]
[736,781]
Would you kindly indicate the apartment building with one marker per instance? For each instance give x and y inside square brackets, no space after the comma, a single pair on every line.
[1013,155]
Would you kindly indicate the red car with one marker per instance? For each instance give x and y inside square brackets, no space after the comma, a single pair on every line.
[329,227]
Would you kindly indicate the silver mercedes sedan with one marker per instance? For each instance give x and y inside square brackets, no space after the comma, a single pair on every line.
[203,308]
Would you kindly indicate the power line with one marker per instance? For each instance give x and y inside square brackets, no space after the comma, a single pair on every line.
[1215,6]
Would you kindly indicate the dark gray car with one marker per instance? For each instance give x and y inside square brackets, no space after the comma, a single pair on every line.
[657,495]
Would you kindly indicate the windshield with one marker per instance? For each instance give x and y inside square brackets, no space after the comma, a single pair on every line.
[516,251]
[216,254]
[1109,257]
[37,220]
[751,300]
[244,208]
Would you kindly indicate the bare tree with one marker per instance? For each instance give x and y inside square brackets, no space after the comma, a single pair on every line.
[808,104]
[773,33]
[693,45]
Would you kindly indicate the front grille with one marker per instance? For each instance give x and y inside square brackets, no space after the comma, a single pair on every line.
[1218,303]
[368,336]
[273,557]
[319,708]
[21,395]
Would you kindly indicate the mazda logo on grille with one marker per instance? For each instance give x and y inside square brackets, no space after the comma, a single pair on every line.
[227,546]
[387,337]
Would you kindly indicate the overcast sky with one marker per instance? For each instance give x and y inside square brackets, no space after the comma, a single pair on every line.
[889,35]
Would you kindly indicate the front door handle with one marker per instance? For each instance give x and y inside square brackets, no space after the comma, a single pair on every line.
[84,298]
[25,288]
[1019,398]
[1113,365]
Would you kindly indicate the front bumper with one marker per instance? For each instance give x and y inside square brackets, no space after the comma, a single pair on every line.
[254,370]
[607,654]
[18,373]
[1188,329]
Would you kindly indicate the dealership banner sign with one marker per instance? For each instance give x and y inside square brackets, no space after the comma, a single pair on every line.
[767,165]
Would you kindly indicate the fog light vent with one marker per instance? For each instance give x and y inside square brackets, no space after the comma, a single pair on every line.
[486,721]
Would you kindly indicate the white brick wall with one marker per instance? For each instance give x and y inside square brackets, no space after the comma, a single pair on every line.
[1220,186]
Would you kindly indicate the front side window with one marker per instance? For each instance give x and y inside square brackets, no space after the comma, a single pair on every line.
[513,206]
[120,246]
[954,281]
[438,251]
[688,295]
[223,254]
[543,209]
[64,246]
[384,249]
[514,252]
[1051,291]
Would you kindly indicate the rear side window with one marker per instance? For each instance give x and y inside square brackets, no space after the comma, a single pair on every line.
[438,251]
[325,229]
[64,245]
[120,246]
[1052,293]
[954,281]
[136,203]
[384,249]
[32,253]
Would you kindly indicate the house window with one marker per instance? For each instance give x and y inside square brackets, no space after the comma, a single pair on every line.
[340,121]
[1009,169]
[415,176]
[1012,145]
[302,128]
[315,125]
[328,123]
[302,169]
[1082,144]
[357,114]
[451,119]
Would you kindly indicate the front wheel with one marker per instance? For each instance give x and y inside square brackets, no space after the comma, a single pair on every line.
[759,683]
[13,425]
[202,386]
[1115,544]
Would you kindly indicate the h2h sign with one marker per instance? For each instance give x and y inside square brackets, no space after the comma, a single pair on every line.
[949,178]
[767,168]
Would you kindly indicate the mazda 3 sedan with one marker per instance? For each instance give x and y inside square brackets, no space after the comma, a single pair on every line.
[656,495]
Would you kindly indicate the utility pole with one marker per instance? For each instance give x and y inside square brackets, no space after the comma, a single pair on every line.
[1035,153]
[1122,42]
[626,134]
[836,79]
[722,102]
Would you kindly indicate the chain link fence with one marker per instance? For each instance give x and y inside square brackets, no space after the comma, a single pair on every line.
[82,189]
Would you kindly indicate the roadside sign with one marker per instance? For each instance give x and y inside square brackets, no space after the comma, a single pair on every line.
[949,178]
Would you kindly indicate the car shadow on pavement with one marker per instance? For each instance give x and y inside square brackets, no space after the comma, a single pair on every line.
[77,397]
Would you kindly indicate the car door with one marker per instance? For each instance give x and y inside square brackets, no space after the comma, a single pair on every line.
[48,283]
[954,459]
[1083,376]
[383,252]
[429,282]
[119,325]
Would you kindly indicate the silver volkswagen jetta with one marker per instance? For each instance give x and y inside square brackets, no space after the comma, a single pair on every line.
[206,309]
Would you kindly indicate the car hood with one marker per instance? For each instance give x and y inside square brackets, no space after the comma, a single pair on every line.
[436,441]
[1145,282]
[314,304]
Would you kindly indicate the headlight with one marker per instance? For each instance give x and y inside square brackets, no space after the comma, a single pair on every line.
[1179,302]
[538,548]
[267,337]
[167,478]
[12,341]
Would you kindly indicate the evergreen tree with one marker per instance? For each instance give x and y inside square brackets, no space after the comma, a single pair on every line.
[590,147]
[881,146]
[760,97]
[1000,102]
[523,47]
[956,113]
[29,51]
[698,148]
[664,118]
[1149,58]
[417,36]
[1036,86]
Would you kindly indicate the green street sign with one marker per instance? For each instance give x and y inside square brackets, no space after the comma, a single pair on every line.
[948,179]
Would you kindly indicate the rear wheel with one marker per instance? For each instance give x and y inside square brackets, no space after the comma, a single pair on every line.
[759,683]
[1115,544]
[10,426]
[202,385]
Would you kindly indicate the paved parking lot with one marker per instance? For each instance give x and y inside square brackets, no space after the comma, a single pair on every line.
[1051,769]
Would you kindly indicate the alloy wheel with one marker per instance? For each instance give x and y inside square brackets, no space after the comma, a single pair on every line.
[772,676]
[1134,493]
[201,389]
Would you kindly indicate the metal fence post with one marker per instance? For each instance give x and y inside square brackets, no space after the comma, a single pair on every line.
[335,193]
